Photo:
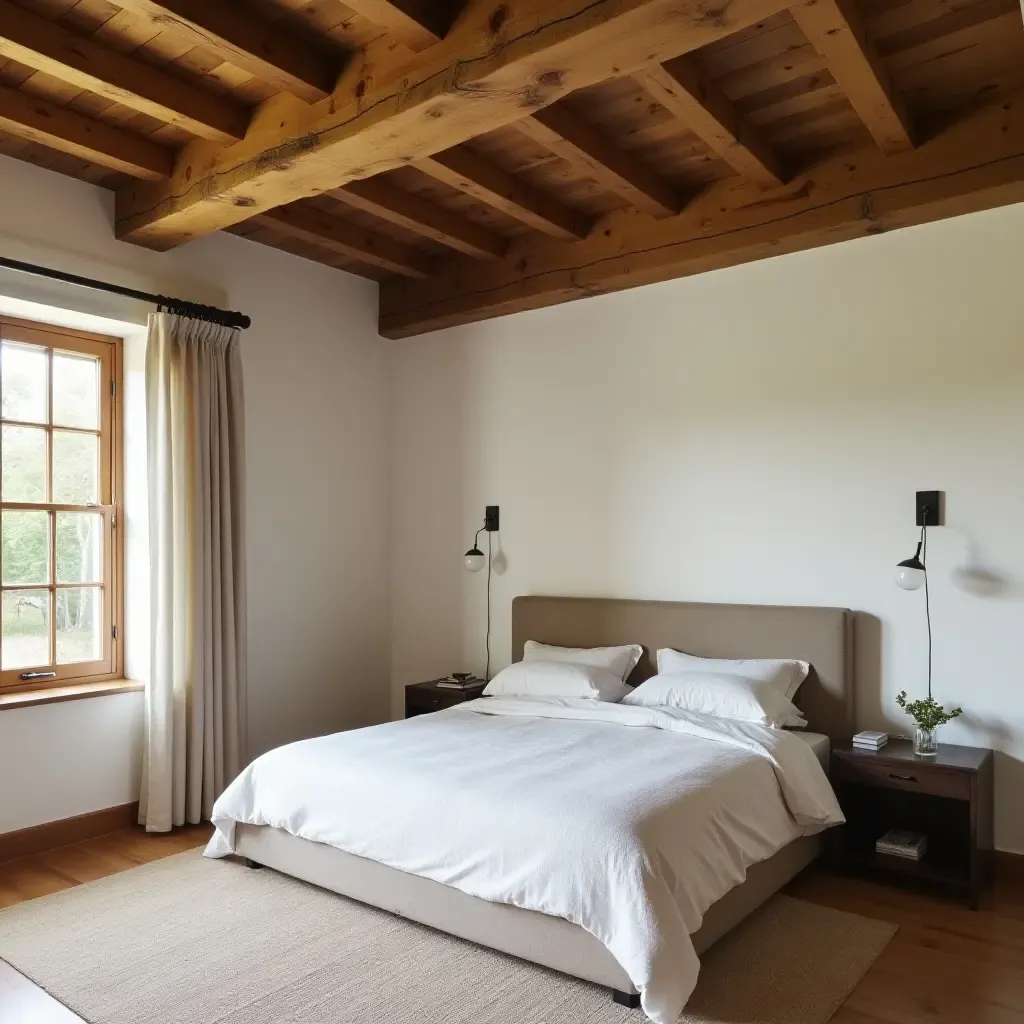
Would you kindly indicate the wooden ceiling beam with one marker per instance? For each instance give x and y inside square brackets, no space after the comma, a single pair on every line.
[697,102]
[39,120]
[464,170]
[559,130]
[86,63]
[347,239]
[488,73]
[977,164]
[267,50]
[410,211]
[835,29]
[416,23]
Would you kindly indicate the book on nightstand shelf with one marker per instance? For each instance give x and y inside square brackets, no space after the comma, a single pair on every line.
[870,740]
[902,843]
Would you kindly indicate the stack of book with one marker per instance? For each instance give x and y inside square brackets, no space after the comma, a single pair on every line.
[870,740]
[459,681]
[900,843]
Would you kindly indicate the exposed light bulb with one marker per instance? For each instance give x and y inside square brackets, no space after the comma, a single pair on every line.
[474,559]
[909,577]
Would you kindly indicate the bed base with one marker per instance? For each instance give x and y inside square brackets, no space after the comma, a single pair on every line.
[549,941]
[630,999]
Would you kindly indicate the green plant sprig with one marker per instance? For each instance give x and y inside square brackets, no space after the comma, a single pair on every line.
[928,713]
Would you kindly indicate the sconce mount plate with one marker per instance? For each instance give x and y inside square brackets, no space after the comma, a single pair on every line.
[930,502]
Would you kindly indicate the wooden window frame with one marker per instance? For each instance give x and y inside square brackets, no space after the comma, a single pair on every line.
[109,350]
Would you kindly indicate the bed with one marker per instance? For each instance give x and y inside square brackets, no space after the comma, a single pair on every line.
[820,636]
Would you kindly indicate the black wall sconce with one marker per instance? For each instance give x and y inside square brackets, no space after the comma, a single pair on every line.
[474,560]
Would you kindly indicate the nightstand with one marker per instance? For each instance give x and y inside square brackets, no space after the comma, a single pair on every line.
[422,698]
[948,797]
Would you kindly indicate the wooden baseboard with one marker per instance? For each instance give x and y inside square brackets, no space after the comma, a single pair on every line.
[1009,865]
[54,834]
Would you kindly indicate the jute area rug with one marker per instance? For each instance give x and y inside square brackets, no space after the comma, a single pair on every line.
[193,941]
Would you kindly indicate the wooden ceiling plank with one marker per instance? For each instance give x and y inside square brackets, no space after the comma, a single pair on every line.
[580,144]
[836,31]
[127,32]
[410,211]
[464,170]
[977,164]
[267,50]
[87,64]
[415,24]
[702,107]
[486,74]
[348,240]
[38,120]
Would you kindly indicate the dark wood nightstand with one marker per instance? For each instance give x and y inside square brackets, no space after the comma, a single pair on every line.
[948,797]
[422,698]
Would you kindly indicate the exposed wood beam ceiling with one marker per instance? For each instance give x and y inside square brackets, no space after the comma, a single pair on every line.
[463,170]
[348,240]
[416,24]
[79,60]
[835,29]
[264,49]
[481,158]
[561,131]
[471,83]
[39,120]
[687,94]
[396,206]
[976,165]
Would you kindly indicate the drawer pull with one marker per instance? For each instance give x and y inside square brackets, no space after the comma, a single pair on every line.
[903,778]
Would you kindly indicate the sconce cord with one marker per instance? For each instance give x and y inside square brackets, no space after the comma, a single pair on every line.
[487,641]
[927,599]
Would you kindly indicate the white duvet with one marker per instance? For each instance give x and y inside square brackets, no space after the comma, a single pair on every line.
[628,821]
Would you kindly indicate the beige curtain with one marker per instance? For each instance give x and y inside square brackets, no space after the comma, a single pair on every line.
[195,700]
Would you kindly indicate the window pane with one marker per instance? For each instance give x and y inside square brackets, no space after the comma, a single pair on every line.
[24,463]
[76,395]
[26,629]
[75,468]
[79,623]
[79,550]
[23,372]
[26,547]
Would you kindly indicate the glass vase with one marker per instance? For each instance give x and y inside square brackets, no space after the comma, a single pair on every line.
[926,742]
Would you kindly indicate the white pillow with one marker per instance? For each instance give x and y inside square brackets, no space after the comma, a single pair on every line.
[720,694]
[620,660]
[556,679]
[785,676]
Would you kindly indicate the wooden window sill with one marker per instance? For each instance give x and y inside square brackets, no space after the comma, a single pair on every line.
[76,691]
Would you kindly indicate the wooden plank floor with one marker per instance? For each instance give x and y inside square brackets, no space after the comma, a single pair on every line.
[946,965]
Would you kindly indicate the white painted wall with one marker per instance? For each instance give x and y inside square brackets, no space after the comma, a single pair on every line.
[316,436]
[60,760]
[751,435]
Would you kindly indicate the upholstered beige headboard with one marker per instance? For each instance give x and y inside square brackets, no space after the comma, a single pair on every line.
[821,636]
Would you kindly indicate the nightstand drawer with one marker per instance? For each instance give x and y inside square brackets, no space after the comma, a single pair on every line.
[907,776]
[426,702]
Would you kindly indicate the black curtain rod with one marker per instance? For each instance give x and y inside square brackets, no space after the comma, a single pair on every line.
[224,317]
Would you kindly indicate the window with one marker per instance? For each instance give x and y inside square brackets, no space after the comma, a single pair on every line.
[60,459]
